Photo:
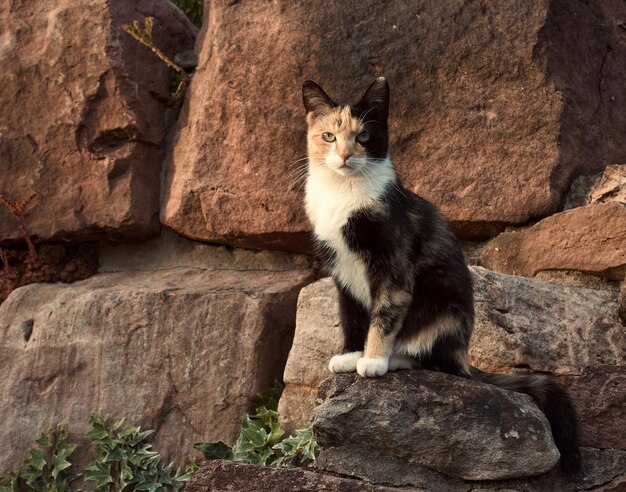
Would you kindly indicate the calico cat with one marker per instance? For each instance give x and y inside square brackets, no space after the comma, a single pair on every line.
[405,293]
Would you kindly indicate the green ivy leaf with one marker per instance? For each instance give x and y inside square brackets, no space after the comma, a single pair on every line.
[59,461]
[100,473]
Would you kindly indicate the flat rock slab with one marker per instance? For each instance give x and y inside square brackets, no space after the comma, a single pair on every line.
[521,324]
[182,351]
[457,427]
[83,115]
[229,475]
[466,127]
[591,239]
[602,470]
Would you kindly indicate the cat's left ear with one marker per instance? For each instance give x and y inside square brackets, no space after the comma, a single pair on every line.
[377,96]
[314,97]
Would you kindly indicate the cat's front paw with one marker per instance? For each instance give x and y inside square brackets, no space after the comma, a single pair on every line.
[372,367]
[344,362]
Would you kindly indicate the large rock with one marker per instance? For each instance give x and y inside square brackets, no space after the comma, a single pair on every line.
[182,351]
[229,475]
[602,470]
[521,324]
[82,121]
[539,326]
[457,427]
[591,239]
[608,186]
[317,338]
[471,119]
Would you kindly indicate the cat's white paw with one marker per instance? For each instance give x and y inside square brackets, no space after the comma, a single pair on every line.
[344,362]
[401,362]
[372,367]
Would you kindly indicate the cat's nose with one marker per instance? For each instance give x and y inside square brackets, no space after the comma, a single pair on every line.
[345,156]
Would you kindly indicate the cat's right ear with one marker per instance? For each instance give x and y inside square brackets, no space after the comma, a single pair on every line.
[314,97]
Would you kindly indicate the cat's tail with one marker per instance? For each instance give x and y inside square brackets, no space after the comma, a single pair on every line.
[553,401]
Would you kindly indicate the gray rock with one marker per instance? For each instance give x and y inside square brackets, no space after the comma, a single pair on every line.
[521,324]
[228,475]
[457,427]
[181,351]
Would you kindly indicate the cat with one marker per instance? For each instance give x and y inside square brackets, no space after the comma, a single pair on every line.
[405,292]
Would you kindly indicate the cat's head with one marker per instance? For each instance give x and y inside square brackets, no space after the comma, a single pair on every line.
[349,139]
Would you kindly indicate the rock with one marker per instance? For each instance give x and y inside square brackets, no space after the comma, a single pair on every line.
[170,250]
[83,121]
[621,307]
[521,325]
[181,351]
[229,475]
[608,186]
[600,393]
[317,338]
[466,128]
[602,470]
[457,427]
[591,239]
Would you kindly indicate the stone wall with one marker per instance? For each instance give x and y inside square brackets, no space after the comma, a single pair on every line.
[509,116]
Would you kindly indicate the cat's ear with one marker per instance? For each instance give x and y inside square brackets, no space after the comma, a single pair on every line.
[315,99]
[377,96]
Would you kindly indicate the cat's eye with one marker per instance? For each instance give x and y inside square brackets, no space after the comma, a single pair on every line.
[328,137]
[363,137]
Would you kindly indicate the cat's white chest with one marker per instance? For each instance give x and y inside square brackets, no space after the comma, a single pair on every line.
[329,208]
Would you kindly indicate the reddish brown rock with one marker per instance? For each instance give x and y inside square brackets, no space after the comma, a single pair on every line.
[472,119]
[591,239]
[182,351]
[82,121]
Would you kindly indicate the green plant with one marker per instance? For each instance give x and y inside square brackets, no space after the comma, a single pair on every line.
[124,461]
[46,468]
[260,441]
[192,8]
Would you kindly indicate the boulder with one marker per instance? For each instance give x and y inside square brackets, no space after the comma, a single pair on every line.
[521,325]
[317,338]
[591,239]
[608,186]
[182,351]
[83,118]
[538,326]
[471,117]
[602,470]
[229,475]
[457,427]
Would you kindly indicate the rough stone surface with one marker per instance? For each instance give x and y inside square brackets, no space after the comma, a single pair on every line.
[457,427]
[521,324]
[181,351]
[602,470]
[82,121]
[583,47]
[600,393]
[527,324]
[228,475]
[608,186]
[621,304]
[471,117]
[318,337]
[591,239]
[170,250]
